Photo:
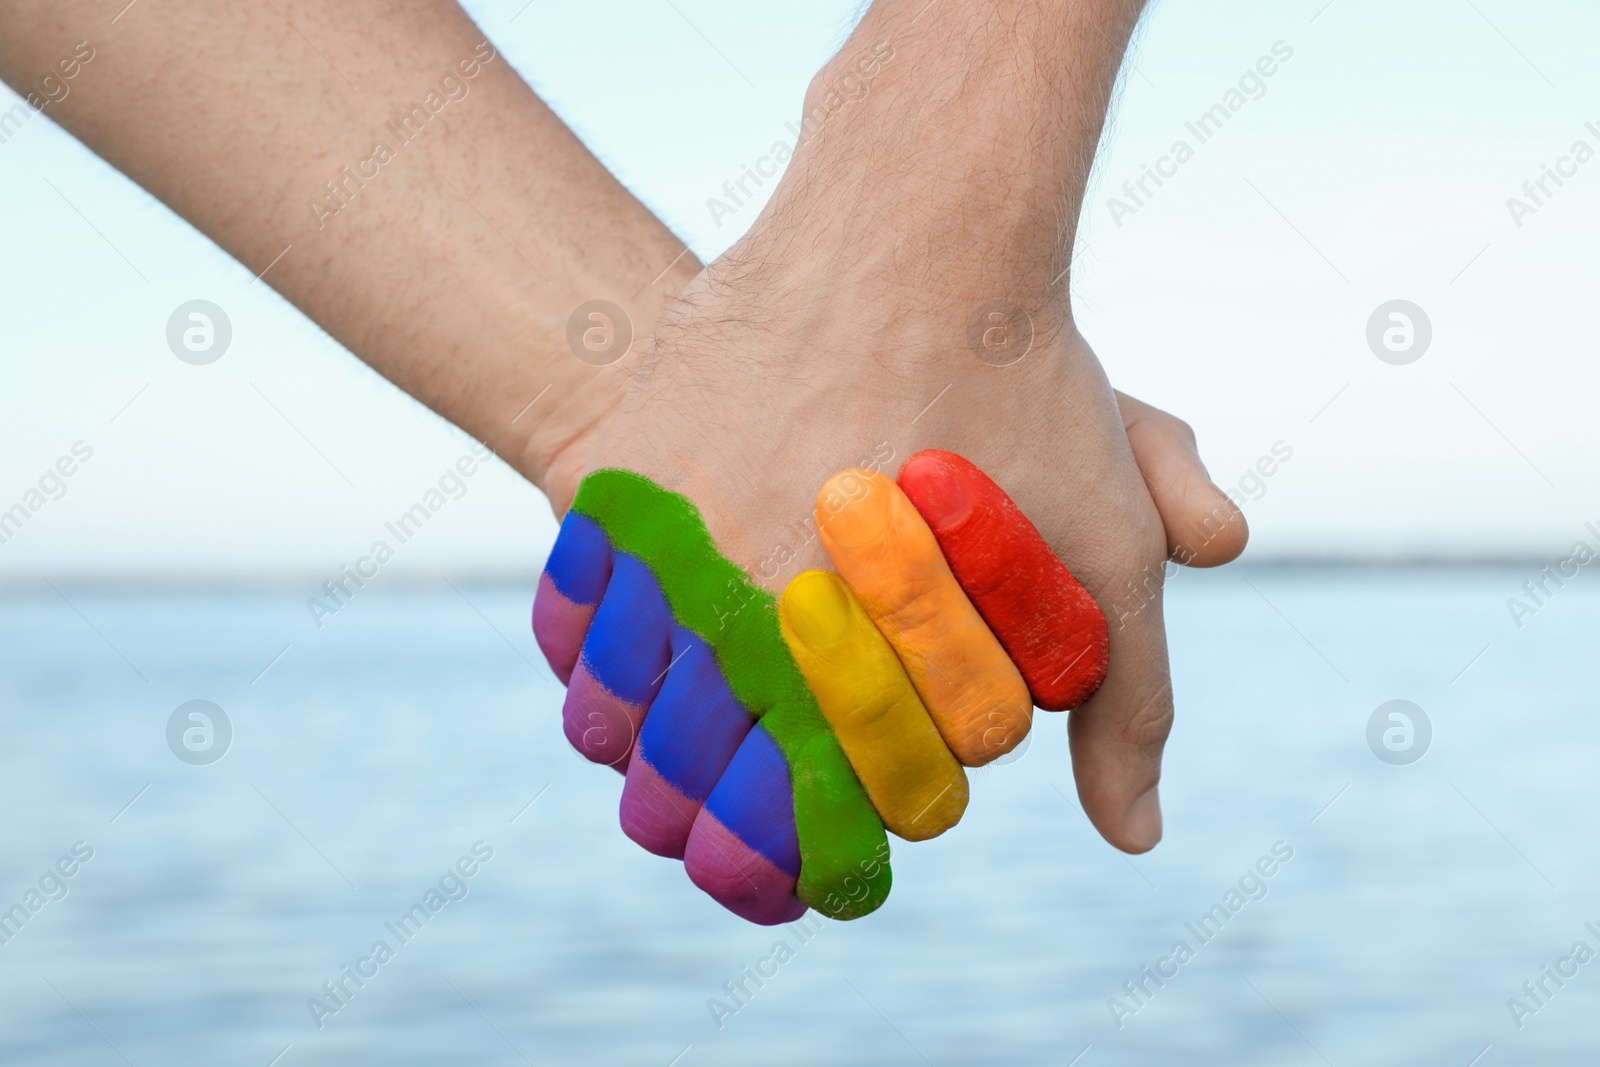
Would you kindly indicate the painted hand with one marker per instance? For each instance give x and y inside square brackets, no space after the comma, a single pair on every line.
[940,638]
[678,677]
[735,759]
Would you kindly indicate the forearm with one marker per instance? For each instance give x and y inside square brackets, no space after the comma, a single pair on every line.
[970,123]
[445,246]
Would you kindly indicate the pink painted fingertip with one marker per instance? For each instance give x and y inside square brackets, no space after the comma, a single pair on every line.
[559,626]
[599,724]
[655,815]
[738,877]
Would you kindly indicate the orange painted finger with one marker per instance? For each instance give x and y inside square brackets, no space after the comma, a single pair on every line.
[882,547]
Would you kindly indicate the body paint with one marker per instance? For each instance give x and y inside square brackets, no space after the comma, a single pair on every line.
[1048,623]
[915,784]
[883,548]
[839,835]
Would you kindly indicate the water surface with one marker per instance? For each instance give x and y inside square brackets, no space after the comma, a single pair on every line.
[371,756]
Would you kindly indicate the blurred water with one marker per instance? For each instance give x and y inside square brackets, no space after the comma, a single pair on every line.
[375,752]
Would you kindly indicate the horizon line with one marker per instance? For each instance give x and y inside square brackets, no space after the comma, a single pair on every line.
[134,580]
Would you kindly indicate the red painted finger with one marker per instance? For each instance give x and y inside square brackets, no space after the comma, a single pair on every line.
[1047,622]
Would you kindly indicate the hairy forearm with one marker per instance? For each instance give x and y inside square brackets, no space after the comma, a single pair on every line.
[393,177]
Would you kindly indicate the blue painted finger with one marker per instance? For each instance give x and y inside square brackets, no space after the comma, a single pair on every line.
[743,849]
[624,659]
[688,739]
[570,589]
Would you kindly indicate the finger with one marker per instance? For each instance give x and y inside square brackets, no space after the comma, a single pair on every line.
[693,728]
[845,852]
[1118,736]
[844,871]
[624,659]
[1116,740]
[915,784]
[1045,620]
[881,546]
[1205,528]
[570,589]
[743,849]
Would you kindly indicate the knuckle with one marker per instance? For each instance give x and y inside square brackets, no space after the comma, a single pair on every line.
[1182,430]
[913,607]
[1149,721]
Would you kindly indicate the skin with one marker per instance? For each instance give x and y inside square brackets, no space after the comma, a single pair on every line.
[466,311]
[775,814]
[416,283]
[832,324]
[836,325]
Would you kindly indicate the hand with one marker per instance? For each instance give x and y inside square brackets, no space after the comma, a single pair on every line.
[902,658]
[671,654]
[841,328]
[1047,428]
[494,318]
[602,617]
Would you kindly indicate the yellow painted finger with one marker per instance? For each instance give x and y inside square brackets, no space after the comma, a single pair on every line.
[918,788]
[882,547]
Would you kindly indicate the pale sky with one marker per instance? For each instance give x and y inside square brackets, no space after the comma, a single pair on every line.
[1374,164]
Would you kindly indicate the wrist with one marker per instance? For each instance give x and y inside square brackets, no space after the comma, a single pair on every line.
[967,124]
[590,348]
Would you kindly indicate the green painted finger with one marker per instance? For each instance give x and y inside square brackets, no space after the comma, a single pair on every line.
[844,870]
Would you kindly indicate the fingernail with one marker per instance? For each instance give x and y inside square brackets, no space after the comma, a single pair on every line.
[1142,825]
[939,491]
[817,607]
[853,508]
